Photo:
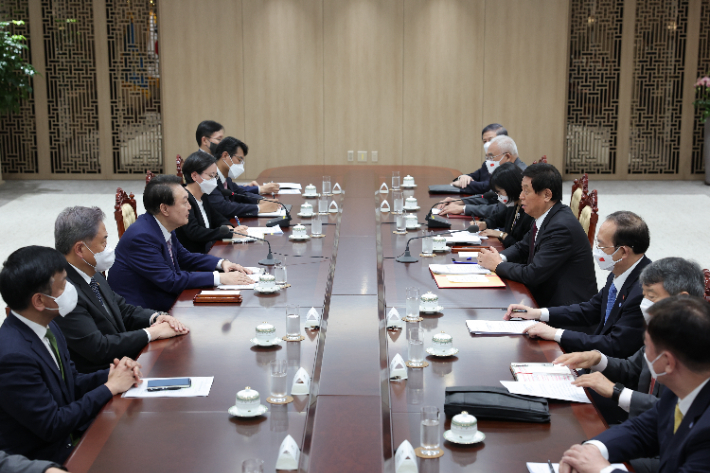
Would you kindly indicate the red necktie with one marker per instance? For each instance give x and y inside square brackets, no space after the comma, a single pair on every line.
[532,243]
[653,384]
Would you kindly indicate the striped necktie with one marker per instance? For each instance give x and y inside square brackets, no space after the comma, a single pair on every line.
[95,288]
[611,299]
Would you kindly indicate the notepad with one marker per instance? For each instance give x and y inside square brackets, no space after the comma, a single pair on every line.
[559,390]
[200,388]
[499,327]
[458,269]
[541,372]
[287,185]
[467,278]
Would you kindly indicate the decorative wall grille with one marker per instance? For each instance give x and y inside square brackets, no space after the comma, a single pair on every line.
[698,164]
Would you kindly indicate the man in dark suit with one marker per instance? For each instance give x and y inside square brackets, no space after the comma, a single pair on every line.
[20,464]
[554,259]
[45,404]
[614,312]
[152,268]
[103,326]
[677,427]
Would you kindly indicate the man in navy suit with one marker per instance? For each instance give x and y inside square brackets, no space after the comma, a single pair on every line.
[613,313]
[677,427]
[152,268]
[45,404]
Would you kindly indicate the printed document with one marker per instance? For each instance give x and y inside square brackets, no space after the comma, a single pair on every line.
[499,327]
[560,390]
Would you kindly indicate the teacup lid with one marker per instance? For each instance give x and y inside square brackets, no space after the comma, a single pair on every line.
[429,296]
[266,277]
[411,217]
[265,327]
[442,337]
[248,394]
[310,186]
[299,228]
[306,204]
[411,199]
[408,177]
[464,420]
[439,238]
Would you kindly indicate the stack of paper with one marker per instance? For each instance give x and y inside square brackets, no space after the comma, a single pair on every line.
[545,468]
[463,237]
[499,327]
[560,390]
[468,278]
[279,213]
[541,372]
[259,232]
[458,269]
[288,185]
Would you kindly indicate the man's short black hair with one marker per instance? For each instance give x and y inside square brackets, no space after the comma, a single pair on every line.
[545,176]
[196,162]
[681,325]
[507,177]
[28,271]
[498,128]
[631,231]
[160,191]
[676,275]
[230,144]
[206,128]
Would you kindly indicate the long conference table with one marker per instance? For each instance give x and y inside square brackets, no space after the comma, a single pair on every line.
[354,417]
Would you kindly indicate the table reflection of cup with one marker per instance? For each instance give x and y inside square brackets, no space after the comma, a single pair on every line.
[278,419]
[317,226]
[415,352]
[415,386]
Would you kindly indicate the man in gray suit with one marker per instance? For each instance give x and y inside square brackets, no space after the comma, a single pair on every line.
[20,464]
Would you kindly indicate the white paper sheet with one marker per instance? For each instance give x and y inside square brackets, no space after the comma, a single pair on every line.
[289,191]
[468,254]
[560,390]
[222,292]
[545,468]
[467,278]
[261,231]
[279,213]
[463,237]
[200,388]
[236,287]
[499,327]
[458,269]
[288,185]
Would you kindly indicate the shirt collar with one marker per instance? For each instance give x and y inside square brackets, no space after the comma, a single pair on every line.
[621,278]
[85,276]
[685,403]
[541,218]
[221,176]
[40,330]
[166,233]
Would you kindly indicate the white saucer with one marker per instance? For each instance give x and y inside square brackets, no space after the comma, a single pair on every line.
[419,225]
[407,187]
[266,291]
[301,214]
[333,211]
[299,238]
[448,352]
[477,438]
[259,411]
[274,341]
[310,196]
[412,208]
[434,311]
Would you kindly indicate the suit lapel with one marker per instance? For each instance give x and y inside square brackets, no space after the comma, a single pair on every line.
[553,210]
[163,244]
[79,282]
[621,295]
[675,441]
[196,209]
[111,306]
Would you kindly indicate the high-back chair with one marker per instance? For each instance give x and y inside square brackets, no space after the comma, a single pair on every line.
[542,160]
[589,215]
[707,284]
[178,164]
[124,211]
[580,188]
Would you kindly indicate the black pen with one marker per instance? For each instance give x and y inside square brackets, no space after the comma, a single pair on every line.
[516,311]
[549,463]
[170,388]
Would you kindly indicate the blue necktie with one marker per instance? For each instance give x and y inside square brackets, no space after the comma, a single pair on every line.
[611,299]
[95,287]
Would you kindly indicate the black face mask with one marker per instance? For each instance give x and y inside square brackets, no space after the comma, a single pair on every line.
[213,148]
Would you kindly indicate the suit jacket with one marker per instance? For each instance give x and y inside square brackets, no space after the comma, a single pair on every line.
[562,269]
[144,272]
[240,204]
[38,409]
[20,464]
[95,333]
[633,373]
[504,219]
[651,434]
[481,178]
[197,237]
[621,335]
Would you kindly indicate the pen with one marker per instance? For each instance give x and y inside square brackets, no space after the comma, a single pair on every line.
[173,388]
[237,219]
[516,311]
[549,463]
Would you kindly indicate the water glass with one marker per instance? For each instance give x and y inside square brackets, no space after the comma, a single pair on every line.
[412,306]
[400,223]
[278,380]
[323,204]
[427,243]
[415,343]
[280,271]
[326,185]
[398,201]
[395,180]
[429,430]
[293,322]
[316,226]
[253,465]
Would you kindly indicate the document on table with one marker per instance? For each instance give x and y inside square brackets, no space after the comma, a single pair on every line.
[499,327]
[279,213]
[238,287]
[288,185]
[458,269]
[560,390]
[468,254]
[200,388]
[545,468]
[289,191]
[463,237]
[467,278]
[261,231]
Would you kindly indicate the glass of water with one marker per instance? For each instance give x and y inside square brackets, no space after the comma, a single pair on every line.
[316,225]
[416,347]
[326,185]
[412,307]
[427,243]
[429,430]
[323,204]
[293,322]
[398,201]
[253,465]
[395,180]
[278,380]
[280,271]
[401,223]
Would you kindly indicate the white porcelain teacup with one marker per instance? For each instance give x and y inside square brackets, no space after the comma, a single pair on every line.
[248,400]
[267,282]
[408,181]
[310,189]
[306,209]
[410,203]
[464,427]
[299,231]
[439,243]
[265,332]
[429,301]
[411,221]
[442,342]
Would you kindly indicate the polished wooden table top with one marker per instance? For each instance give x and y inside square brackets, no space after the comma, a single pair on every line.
[354,417]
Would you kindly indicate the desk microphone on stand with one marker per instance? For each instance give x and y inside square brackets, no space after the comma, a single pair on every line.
[434,221]
[269,260]
[407,256]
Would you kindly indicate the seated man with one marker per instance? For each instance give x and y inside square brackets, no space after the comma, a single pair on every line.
[554,259]
[20,464]
[152,268]
[209,134]
[45,404]
[103,326]
[618,326]
[677,427]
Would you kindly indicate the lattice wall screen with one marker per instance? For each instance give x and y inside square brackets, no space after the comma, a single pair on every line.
[698,165]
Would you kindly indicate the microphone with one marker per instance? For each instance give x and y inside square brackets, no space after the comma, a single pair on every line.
[269,260]
[434,221]
[407,256]
[284,221]
[241,197]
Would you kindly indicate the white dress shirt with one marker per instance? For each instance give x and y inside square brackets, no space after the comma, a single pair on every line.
[41,332]
[204,214]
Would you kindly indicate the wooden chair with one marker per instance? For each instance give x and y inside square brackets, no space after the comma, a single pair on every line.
[148,176]
[707,284]
[580,188]
[125,210]
[589,215]
[178,164]
[542,160]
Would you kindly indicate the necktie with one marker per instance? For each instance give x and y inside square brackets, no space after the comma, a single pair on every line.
[611,299]
[651,386]
[225,184]
[678,418]
[533,233]
[172,255]
[55,348]
[95,288]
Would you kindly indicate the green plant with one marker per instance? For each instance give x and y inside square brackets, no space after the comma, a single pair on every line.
[15,73]
[702,90]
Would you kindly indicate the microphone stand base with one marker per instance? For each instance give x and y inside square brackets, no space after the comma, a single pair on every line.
[406,258]
[269,261]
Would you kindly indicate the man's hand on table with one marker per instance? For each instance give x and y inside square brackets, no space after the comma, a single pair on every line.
[489,258]
[583,459]
[267,207]
[453,208]
[531,314]
[597,382]
[174,323]
[228,267]
[235,278]
[270,188]
[445,202]
[579,360]
[541,330]
[462,181]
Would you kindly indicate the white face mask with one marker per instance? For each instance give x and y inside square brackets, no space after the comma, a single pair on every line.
[236,170]
[485,146]
[654,375]
[644,305]
[492,165]
[606,262]
[67,301]
[208,186]
[104,260]
[503,199]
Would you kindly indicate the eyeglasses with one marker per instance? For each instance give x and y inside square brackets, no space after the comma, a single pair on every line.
[239,159]
[210,176]
[492,158]
[604,247]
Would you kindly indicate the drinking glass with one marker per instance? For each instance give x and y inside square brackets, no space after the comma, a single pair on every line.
[401,223]
[293,322]
[326,185]
[427,243]
[416,347]
[253,465]
[398,201]
[395,180]
[278,380]
[412,302]
[429,430]
[323,204]
[280,271]
[316,225]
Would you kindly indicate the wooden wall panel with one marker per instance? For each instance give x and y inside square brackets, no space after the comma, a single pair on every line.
[201,71]
[283,83]
[525,67]
[443,83]
[363,57]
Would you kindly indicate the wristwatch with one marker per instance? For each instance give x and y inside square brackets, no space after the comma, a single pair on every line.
[618,387]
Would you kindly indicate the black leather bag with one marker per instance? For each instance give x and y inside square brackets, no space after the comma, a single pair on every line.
[492,402]
[444,189]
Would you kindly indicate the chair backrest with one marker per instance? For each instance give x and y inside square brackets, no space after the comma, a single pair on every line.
[707,284]
[148,176]
[125,211]
[542,160]
[580,188]
[589,215]
[178,164]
